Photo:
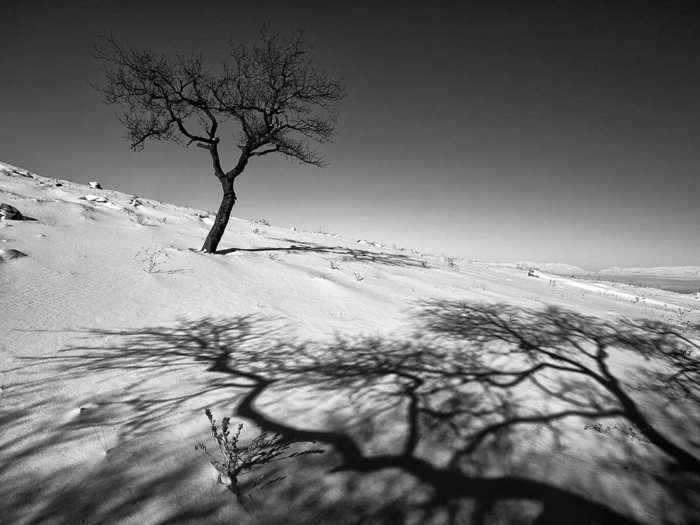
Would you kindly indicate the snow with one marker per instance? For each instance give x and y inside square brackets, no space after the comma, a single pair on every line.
[555,268]
[113,443]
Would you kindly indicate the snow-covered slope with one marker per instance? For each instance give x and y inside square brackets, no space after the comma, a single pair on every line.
[88,438]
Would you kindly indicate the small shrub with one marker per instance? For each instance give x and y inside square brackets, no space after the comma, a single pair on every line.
[452,264]
[682,317]
[234,460]
[151,258]
[630,432]
[358,276]
[334,266]
[146,221]
[597,427]
[262,221]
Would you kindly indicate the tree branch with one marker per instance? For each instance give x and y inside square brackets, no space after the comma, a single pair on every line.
[280,100]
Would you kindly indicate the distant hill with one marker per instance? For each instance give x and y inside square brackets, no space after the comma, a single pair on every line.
[548,267]
[668,272]
[557,268]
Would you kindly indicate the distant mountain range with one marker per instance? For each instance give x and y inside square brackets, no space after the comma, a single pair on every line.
[551,267]
[666,272]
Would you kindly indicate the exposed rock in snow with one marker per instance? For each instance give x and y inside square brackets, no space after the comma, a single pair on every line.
[10,213]
[16,173]
[95,185]
[10,253]
[532,272]
[101,200]
[93,198]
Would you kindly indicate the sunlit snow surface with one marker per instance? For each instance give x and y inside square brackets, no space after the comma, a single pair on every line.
[111,327]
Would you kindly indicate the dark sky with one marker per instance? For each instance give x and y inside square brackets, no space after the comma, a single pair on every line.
[494,131]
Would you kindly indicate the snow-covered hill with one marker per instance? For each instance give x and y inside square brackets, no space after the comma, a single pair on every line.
[111,325]
[667,272]
[549,267]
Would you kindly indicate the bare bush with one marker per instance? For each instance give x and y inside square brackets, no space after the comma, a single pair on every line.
[235,461]
[452,264]
[151,258]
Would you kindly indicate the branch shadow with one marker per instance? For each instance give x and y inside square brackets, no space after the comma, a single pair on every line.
[348,254]
[494,414]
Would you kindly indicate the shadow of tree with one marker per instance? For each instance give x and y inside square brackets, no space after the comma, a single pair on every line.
[347,254]
[579,348]
[113,489]
[493,415]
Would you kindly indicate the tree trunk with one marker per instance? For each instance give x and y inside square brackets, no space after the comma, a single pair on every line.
[211,243]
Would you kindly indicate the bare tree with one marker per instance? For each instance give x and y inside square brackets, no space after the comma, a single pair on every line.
[278,99]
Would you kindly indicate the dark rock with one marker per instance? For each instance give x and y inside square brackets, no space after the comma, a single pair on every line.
[93,198]
[95,185]
[9,254]
[10,213]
